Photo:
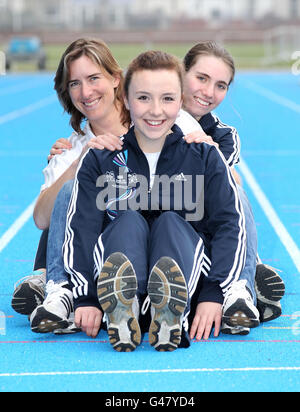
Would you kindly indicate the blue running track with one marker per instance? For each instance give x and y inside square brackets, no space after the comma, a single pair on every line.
[265,108]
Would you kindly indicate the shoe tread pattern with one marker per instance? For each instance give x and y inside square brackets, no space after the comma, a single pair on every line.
[239,314]
[26,298]
[270,289]
[268,283]
[168,295]
[116,288]
[46,322]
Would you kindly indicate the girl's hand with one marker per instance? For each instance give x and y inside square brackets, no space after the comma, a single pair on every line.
[207,313]
[199,137]
[59,147]
[89,319]
[106,141]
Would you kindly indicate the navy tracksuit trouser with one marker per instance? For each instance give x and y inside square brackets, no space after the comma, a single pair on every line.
[169,235]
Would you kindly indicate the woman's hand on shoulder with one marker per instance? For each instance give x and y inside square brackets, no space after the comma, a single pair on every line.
[199,137]
[59,147]
[106,141]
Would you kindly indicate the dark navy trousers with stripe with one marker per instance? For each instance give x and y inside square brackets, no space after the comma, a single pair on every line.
[143,244]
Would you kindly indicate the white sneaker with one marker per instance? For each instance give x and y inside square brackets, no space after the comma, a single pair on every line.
[54,313]
[168,295]
[116,288]
[238,307]
[72,328]
[29,292]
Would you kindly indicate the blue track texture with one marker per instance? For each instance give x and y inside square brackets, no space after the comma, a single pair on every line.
[265,109]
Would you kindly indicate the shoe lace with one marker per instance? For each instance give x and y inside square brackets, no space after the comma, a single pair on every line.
[55,292]
[52,288]
[240,284]
[238,287]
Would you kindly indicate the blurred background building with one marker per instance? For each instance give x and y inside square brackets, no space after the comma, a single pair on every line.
[275,24]
[20,15]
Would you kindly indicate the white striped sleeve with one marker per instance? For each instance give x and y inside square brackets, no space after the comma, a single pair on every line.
[229,143]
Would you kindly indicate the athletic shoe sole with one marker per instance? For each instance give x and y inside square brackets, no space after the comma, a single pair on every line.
[46,322]
[26,298]
[269,288]
[239,330]
[117,287]
[168,295]
[239,314]
[67,331]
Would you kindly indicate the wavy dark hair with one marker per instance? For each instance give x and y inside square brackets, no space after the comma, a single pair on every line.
[99,53]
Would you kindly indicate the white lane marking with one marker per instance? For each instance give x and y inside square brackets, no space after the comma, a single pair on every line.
[16,226]
[27,109]
[271,215]
[274,97]
[21,87]
[116,372]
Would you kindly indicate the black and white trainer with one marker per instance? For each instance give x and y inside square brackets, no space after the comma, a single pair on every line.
[72,328]
[29,292]
[117,288]
[54,314]
[269,288]
[168,294]
[238,307]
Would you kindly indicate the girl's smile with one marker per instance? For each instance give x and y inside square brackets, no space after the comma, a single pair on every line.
[206,85]
[154,100]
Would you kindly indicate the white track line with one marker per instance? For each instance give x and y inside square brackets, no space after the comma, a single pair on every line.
[21,87]
[27,109]
[274,97]
[26,215]
[279,228]
[272,216]
[117,372]
[16,226]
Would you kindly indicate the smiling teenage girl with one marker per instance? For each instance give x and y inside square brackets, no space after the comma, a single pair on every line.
[152,251]
[209,71]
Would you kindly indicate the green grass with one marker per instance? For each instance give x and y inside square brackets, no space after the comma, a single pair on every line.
[246,55]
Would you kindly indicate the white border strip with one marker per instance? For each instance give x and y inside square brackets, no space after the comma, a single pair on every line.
[272,216]
[117,372]
[16,226]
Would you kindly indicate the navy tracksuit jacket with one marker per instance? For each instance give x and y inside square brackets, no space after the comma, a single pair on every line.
[226,136]
[213,245]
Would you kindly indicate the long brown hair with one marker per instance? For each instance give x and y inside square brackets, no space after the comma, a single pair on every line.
[208,48]
[99,53]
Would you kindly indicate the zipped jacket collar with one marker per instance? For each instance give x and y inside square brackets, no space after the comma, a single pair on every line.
[172,138]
